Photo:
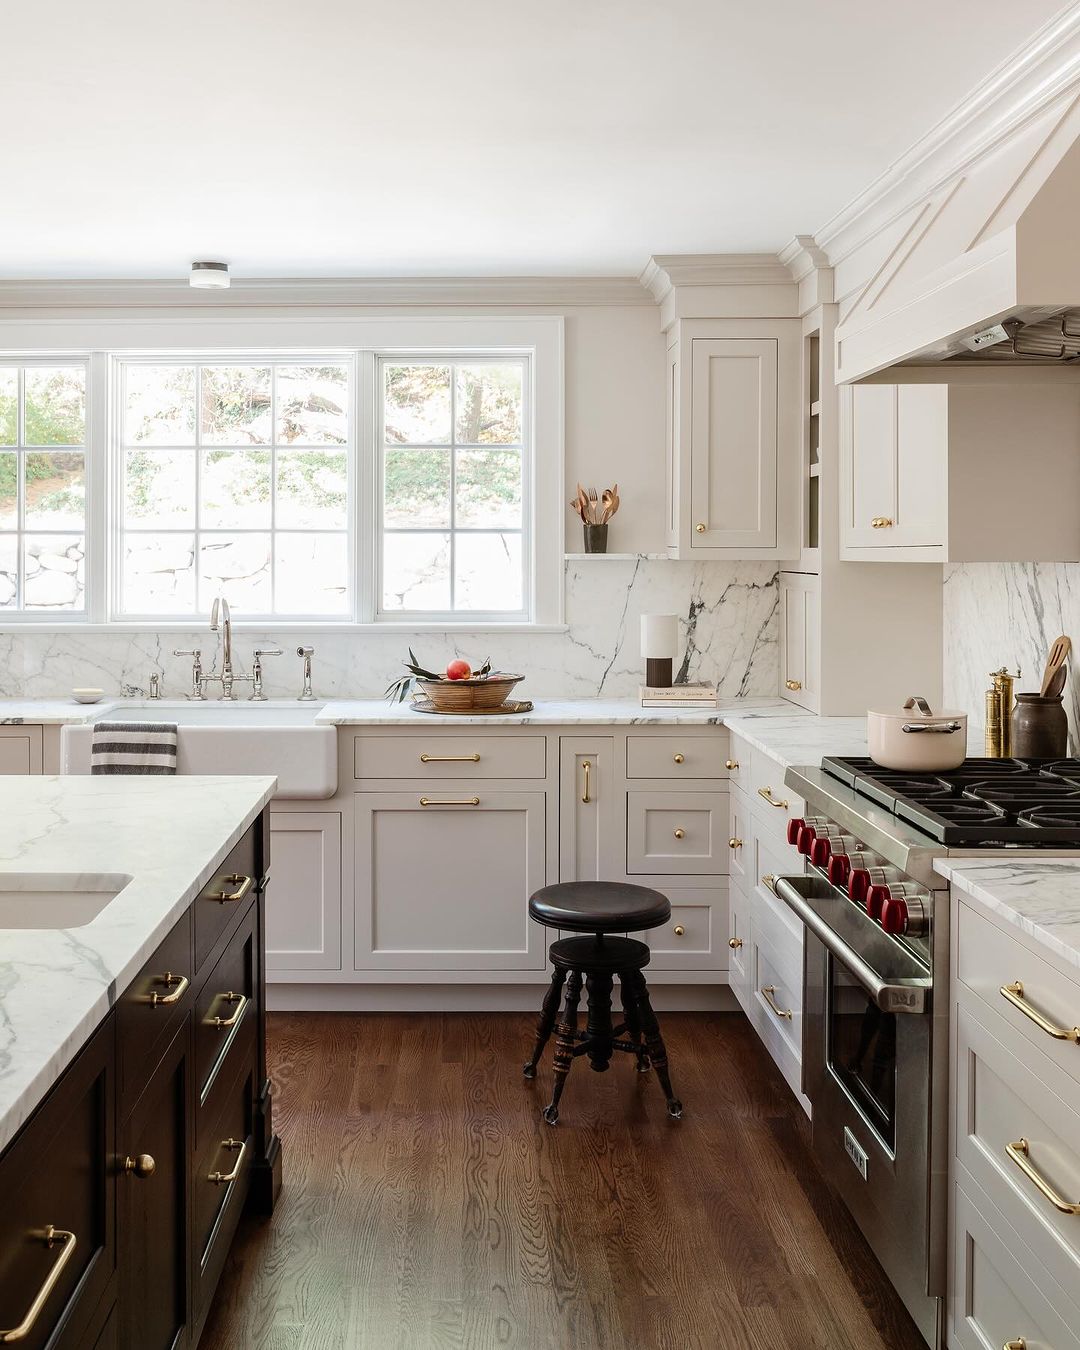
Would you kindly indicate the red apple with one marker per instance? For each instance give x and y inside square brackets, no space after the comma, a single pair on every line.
[458,670]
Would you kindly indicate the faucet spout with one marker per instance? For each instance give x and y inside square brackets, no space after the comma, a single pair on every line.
[221,620]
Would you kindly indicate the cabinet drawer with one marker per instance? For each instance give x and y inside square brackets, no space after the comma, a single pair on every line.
[997,1294]
[225,897]
[702,755]
[222,1166]
[769,859]
[773,803]
[148,1011]
[438,756]
[989,959]
[1002,1098]
[781,949]
[58,1175]
[224,1005]
[695,937]
[677,833]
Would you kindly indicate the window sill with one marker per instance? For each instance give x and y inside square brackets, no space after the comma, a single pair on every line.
[299,627]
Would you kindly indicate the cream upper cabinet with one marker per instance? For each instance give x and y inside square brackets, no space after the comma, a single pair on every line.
[953,467]
[733,440]
[800,638]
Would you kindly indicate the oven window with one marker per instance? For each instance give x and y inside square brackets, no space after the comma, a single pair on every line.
[862,1050]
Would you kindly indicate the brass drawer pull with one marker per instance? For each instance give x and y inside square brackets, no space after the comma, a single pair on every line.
[141,1166]
[767,992]
[1019,1153]
[242,884]
[1014,994]
[766,792]
[880,523]
[793,684]
[50,1236]
[731,765]
[450,759]
[585,798]
[768,880]
[450,801]
[181,983]
[224,1178]
[733,843]
[734,943]
[679,832]
[223,1023]
[679,930]
[679,759]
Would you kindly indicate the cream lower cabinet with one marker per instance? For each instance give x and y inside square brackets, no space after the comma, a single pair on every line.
[589,819]
[20,750]
[303,904]
[442,876]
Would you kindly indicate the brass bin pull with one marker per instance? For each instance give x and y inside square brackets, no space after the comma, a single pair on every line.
[881,523]
[1014,994]
[50,1236]
[766,792]
[169,980]
[585,768]
[767,992]
[450,801]
[223,1023]
[451,759]
[224,1178]
[242,884]
[1020,1155]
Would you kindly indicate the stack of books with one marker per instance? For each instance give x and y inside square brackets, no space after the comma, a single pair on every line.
[679,696]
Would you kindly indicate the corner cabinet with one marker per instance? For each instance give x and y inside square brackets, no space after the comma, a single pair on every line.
[733,439]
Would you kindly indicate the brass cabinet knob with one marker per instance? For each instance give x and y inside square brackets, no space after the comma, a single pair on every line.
[880,523]
[793,684]
[731,765]
[700,529]
[679,930]
[680,833]
[142,1165]
[734,943]
[734,842]
[679,759]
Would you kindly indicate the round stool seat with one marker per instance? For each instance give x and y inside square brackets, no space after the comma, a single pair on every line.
[599,907]
[593,954]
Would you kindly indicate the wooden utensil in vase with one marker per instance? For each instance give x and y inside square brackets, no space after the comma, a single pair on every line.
[1059,654]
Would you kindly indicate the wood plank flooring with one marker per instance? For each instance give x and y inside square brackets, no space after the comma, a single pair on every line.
[427,1206]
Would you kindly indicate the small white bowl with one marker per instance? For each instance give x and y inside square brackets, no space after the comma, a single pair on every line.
[87,695]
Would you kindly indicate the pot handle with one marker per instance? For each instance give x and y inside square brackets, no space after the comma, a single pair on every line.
[942,728]
[917,701]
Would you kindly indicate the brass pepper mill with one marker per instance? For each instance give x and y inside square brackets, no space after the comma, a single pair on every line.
[999,705]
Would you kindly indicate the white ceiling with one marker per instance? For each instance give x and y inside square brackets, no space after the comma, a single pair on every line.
[345,137]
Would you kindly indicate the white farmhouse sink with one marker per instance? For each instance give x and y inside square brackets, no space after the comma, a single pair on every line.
[55,899]
[233,738]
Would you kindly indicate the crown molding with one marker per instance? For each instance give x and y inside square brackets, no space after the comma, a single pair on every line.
[665,271]
[1043,71]
[802,256]
[324,292]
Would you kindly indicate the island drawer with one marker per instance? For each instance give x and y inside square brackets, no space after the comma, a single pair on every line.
[148,1010]
[701,755]
[677,833]
[58,1217]
[226,895]
[224,1006]
[438,756]
[1028,992]
[222,1162]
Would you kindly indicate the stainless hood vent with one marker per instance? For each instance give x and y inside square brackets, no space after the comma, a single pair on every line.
[1054,341]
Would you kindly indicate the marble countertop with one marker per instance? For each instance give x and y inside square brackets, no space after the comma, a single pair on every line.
[553,712]
[1040,896]
[43,712]
[57,985]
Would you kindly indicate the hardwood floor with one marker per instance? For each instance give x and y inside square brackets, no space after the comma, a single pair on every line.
[426,1204]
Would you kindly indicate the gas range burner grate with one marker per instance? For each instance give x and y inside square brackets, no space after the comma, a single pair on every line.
[984,801]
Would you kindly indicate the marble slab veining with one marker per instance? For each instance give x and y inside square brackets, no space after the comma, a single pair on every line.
[57,985]
[1041,897]
[44,712]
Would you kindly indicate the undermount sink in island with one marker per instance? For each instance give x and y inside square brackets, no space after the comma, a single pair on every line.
[55,899]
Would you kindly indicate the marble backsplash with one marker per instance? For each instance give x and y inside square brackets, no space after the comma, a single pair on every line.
[728,634]
[1008,614]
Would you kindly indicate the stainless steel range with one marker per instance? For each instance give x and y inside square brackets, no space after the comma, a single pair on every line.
[876,973]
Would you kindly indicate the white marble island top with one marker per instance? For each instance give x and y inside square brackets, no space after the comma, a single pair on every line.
[1039,896]
[57,985]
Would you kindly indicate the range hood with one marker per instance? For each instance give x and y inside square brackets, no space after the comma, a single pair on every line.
[985,267]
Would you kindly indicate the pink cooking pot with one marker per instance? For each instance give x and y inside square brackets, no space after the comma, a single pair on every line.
[915,738]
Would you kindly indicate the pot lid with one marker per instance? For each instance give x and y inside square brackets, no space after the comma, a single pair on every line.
[916,709]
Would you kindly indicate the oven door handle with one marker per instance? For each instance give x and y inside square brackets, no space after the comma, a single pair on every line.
[894,996]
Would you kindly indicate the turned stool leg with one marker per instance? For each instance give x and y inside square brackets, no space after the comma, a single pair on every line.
[639,993]
[565,1040]
[598,1027]
[633,1025]
[549,1010]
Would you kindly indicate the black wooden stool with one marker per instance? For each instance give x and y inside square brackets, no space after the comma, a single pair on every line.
[600,908]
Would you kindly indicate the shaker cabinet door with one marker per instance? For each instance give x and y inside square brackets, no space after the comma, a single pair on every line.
[20,750]
[588,819]
[303,897]
[800,631]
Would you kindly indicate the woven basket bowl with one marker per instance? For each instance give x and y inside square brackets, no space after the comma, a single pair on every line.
[461,695]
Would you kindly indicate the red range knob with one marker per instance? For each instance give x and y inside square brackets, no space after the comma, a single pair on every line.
[894,915]
[877,897]
[858,884]
[794,825]
[820,852]
[839,869]
[805,843]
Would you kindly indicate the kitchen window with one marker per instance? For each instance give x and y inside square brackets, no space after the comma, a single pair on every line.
[43,488]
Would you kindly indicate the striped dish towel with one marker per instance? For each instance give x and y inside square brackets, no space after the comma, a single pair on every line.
[133,747]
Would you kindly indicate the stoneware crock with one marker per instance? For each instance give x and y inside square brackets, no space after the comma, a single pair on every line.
[915,738]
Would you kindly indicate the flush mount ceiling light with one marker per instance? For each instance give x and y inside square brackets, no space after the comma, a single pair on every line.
[209,275]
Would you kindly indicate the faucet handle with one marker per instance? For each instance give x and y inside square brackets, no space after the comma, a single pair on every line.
[195,651]
[269,651]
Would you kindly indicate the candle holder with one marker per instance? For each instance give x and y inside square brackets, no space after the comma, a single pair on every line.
[659,646]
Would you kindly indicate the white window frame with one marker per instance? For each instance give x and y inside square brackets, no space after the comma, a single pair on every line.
[101,338]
